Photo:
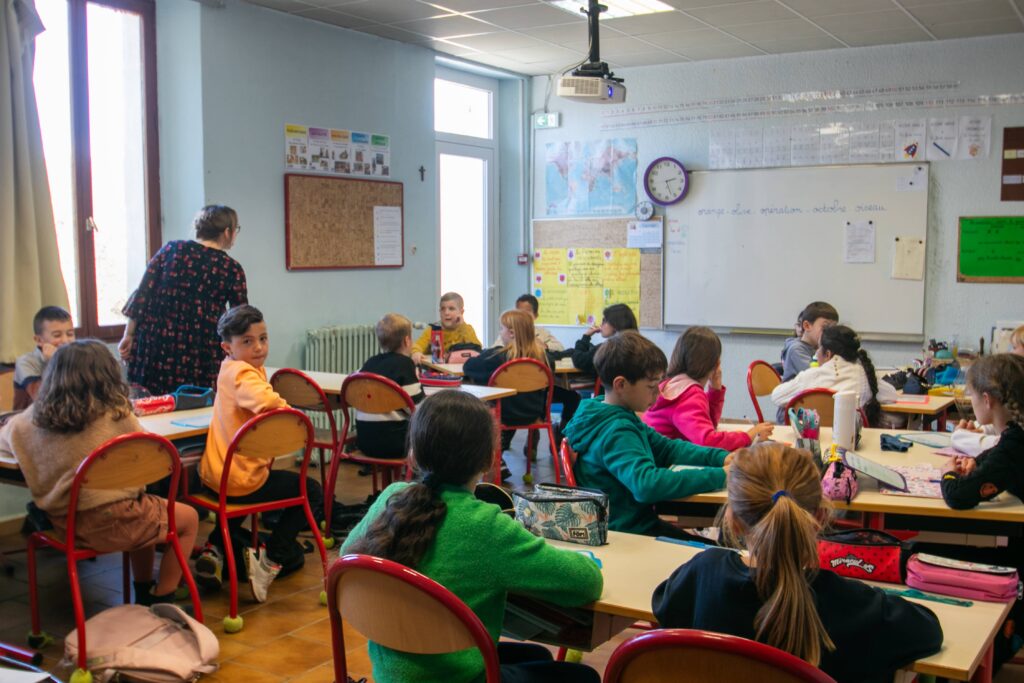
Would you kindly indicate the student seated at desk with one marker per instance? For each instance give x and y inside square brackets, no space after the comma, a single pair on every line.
[1017,341]
[776,594]
[684,409]
[383,436]
[845,366]
[440,529]
[51,329]
[995,385]
[798,353]
[82,403]
[972,438]
[528,303]
[620,455]
[453,329]
[616,318]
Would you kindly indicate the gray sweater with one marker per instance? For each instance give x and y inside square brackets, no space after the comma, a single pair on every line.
[48,460]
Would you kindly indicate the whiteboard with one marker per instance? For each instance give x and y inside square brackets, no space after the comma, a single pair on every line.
[750,248]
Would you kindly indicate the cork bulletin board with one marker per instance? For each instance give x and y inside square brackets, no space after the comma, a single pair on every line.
[329,223]
[606,233]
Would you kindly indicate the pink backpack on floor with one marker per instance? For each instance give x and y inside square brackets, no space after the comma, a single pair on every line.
[158,644]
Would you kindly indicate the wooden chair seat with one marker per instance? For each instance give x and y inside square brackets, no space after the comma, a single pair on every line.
[211,502]
[357,455]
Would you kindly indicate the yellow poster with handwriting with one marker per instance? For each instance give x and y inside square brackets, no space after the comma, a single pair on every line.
[574,286]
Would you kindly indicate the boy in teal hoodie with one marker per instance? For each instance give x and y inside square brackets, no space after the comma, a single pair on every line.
[622,456]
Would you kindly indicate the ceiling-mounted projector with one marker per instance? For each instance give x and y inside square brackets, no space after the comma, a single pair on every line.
[592,81]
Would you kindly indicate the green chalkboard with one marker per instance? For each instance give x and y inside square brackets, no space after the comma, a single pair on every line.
[991,249]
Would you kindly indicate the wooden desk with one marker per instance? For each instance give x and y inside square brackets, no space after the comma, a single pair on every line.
[331,383]
[1003,508]
[935,406]
[633,566]
[563,366]
[162,423]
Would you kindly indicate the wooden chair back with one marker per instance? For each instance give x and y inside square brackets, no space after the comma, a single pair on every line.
[272,434]
[815,399]
[6,389]
[523,375]
[299,390]
[659,656]
[370,393]
[401,609]
[761,379]
[128,461]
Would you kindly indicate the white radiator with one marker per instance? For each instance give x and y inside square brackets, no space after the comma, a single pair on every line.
[341,348]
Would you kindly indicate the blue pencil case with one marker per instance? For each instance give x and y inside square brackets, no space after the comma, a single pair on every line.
[188,397]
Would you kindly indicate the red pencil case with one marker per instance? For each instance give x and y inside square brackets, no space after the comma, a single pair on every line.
[437,379]
[975,584]
[861,554]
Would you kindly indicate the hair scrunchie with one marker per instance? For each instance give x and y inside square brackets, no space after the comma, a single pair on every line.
[778,494]
[432,481]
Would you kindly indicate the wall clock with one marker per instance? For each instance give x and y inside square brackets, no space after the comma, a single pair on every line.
[666,181]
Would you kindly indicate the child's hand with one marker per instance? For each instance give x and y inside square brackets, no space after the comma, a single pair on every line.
[47,350]
[968,425]
[716,377]
[965,465]
[416,357]
[592,330]
[762,431]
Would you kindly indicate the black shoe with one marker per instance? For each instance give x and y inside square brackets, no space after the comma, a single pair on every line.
[342,523]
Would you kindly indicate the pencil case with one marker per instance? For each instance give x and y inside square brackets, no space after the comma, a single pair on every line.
[151,405]
[861,554]
[439,379]
[564,513]
[962,579]
[188,397]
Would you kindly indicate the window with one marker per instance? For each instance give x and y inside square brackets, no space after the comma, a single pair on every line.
[462,109]
[95,84]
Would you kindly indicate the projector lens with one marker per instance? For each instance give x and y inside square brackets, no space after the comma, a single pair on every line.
[611,91]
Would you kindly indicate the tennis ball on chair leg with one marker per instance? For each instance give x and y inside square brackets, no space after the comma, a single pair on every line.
[233,624]
[80,676]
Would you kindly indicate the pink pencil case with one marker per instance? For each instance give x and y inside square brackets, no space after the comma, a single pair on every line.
[973,584]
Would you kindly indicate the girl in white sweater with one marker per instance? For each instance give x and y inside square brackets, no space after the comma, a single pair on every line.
[844,366]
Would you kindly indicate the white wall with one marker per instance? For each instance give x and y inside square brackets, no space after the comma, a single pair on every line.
[983,66]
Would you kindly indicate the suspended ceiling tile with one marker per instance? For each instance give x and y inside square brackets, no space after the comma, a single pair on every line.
[283,5]
[500,40]
[446,27]
[330,16]
[472,5]
[890,37]
[647,59]
[679,41]
[529,55]
[785,29]
[977,10]
[746,13]
[616,47]
[867,22]
[394,33]
[693,4]
[821,42]
[529,16]
[723,51]
[653,23]
[983,27]
[569,35]
[824,8]
[390,11]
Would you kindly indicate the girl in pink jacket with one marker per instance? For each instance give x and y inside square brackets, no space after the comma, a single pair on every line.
[685,409]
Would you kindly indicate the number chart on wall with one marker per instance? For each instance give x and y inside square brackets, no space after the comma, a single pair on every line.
[750,248]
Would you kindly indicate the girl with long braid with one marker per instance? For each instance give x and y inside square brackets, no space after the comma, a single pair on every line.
[995,385]
[774,592]
[844,366]
[440,529]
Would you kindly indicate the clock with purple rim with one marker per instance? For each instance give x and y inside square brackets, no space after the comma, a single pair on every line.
[666,181]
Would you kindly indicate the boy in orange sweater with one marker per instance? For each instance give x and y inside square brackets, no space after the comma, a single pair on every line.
[243,392]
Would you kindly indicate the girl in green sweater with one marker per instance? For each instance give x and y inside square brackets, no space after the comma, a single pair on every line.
[440,529]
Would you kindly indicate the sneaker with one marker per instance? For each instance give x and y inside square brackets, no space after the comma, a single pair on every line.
[262,572]
[210,568]
[343,522]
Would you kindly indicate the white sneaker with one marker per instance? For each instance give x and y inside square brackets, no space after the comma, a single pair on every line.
[262,572]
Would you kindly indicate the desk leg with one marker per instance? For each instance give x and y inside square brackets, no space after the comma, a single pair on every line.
[983,674]
[874,520]
[940,420]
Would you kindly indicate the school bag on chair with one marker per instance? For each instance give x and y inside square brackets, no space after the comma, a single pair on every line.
[158,644]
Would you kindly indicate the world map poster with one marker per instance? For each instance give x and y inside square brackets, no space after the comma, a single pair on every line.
[596,177]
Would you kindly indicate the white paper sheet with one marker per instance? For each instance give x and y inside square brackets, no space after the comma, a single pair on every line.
[975,133]
[721,145]
[16,676]
[835,144]
[805,145]
[914,181]
[863,142]
[643,235]
[908,258]
[887,141]
[859,242]
[676,237]
[910,139]
[776,146]
[942,139]
[749,147]
[387,235]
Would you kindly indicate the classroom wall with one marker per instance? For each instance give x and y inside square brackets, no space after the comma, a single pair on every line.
[983,66]
[229,79]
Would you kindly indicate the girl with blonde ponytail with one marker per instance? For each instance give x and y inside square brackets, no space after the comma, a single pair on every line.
[774,593]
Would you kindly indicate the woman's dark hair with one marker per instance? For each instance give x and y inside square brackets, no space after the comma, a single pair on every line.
[213,220]
[236,321]
[452,439]
[620,317]
[696,354]
[81,383]
[840,340]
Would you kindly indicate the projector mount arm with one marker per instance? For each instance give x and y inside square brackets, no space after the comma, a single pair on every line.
[594,67]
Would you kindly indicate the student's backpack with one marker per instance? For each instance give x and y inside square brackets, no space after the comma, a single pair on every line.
[158,644]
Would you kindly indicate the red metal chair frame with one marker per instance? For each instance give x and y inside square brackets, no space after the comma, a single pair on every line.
[666,639]
[73,554]
[385,467]
[446,599]
[543,423]
[567,459]
[804,394]
[325,406]
[750,385]
[243,509]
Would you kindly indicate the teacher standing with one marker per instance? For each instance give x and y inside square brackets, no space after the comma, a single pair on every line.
[171,335]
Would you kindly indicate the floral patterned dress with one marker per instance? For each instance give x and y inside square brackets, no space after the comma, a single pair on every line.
[186,288]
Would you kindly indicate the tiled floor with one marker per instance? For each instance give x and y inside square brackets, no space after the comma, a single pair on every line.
[288,638]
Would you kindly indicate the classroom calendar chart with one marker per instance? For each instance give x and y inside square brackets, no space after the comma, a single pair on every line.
[575,285]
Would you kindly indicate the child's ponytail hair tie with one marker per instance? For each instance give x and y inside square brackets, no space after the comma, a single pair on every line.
[778,494]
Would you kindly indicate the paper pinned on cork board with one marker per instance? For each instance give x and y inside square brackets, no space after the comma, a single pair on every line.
[908,258]
[387,235]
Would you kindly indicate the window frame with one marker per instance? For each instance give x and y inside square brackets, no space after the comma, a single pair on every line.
[85,254]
